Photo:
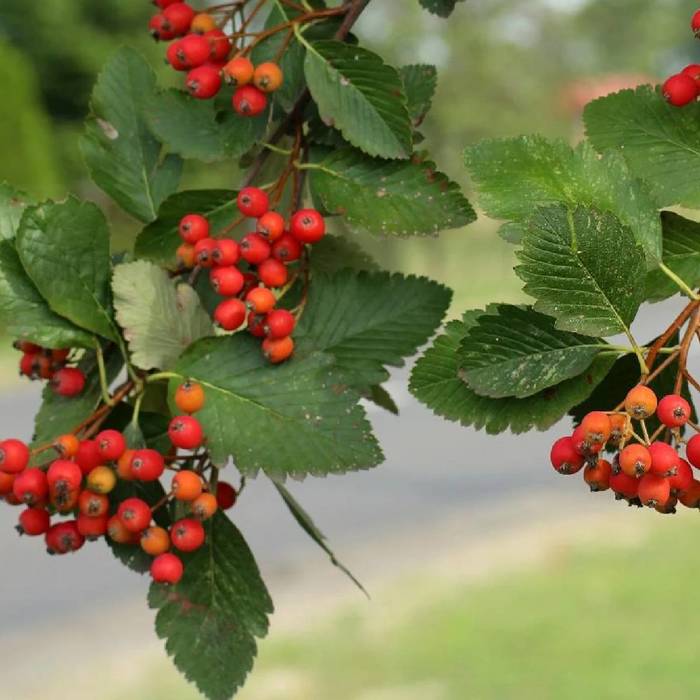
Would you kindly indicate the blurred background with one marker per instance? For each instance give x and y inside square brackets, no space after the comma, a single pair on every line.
[489,575]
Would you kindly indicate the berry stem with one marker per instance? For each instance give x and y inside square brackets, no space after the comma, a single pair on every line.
[161,376]
[681,284]
[102,370]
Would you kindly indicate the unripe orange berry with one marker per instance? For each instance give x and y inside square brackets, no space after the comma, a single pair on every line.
[619,427]
[118,533]
[597,476]
[124,466]
[277,350]
[101,480]
[203,23]
[155,540]
[654,490]
[635,460]
[187,485]
[596,427]
[268,77]
[238,71]
[67,446]
[641,402]
[204,506]
[190,397]
[186,255]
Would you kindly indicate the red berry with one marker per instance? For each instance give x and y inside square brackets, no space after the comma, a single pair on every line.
[27,365]
[287,248]
[64,476]
[255,248]
[673,411]
[277,350]
[680,90]
[187,535]
[654,490]
[692,71]
[225,495]
[226,253]
[624,485]
[175,56]
[692,451]
[219,45]
[64,538]
[583,446]
[147,465]
[260,300]
[230,314]
[179,17]
[118,533]
[204,252]
[34,522]
[31,487]
[186,432]
[193,228]
[597,475]
[307,226]
[690,498]
[695,22]
[253,202]
[135,514]
[227,281]
[92,528]
[279,323]
[111,445]
[248,101]
[564,457]
[68,382]
[256,324]
[167,568]
[194,50]
[7,482]
[270,225]
[635,460]
[682,479]
[88,456]
[664,459]
[160,28]
[14,456]
[93,504]
[203,82]
[273,273]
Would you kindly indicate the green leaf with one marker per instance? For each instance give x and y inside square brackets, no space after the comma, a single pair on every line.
[515,351]
[334,253]
[389,197]
[379,396]
[442,8]
[193,129]
[59,415]
[681,255]
[420,83]
[24,313]
[123,157]
[435,381]
[584,268]
[160,240]
[367,320]
[361,96]
[12,205]
[516,176]
[210,620]
[64,247]
[160,317]
[660,143]
[310,419]
[309,527]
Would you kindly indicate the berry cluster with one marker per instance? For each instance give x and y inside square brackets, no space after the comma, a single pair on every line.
[202,49]
[265,255]
[684,87]
[50,365]
[80,485]
[644,471]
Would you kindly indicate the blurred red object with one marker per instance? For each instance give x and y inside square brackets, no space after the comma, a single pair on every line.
[578,93]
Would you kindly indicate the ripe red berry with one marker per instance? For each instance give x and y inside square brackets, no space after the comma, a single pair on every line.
[226,253]
[27,365]
[225,495]
[227,281]
[260,300]
[88,456]
[93,504]
[287,248]
[597,475]
[179,17]
[239,71]
[68,382]
[187,535]
[193,50]
[695,22]
[164,3]
[219,45]
[64,476]
[673,411]
[308,226]
[253,202]
[664,459]
[92,528]
[277,350]
[692,71]
[256,325]
[160,28]
[273,273]
[14,456]
[564,457]
[654,490]
[147,465]
[31,487]
[680,90]
[635,460]
[203,82]
[135,514]
[34,522]
[230,314]
[193,228]
[111,445]
[175,56]
[279,323]
[690,498]
[7,482]
[186,432]
[64,538]
[248,101]
[167,568]
[624,485]
[204,252]
[271,226]
[692,451]
[255,248]
[682,480]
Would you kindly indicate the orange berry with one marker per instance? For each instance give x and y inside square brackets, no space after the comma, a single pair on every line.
[67,446]
[597,476]
[124,466]
[204,506]
[101,480]
[238,71]
[277,350]
[619,427]
[635,460]
[118,533]
[186,255]
[596,427]
[203,23]
[268,77]
[190,397]
[654,490]
[641,402]
[187,485]
[155,540]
